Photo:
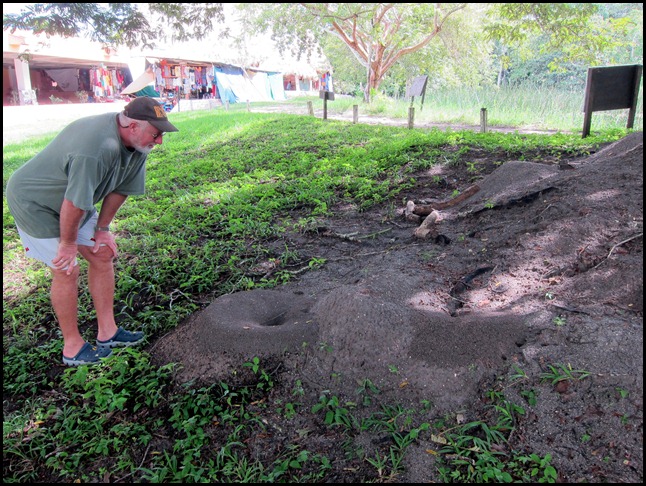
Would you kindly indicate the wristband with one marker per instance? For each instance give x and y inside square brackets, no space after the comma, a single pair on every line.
[101,228]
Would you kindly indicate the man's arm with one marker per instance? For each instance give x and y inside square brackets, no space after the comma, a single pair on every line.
[109,208]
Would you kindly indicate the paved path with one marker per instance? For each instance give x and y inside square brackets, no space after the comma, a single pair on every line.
[21,122]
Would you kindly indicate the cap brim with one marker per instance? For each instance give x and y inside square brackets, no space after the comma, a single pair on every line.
[163,125]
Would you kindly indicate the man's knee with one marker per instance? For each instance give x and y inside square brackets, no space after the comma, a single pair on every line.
[62,275]
[103,256]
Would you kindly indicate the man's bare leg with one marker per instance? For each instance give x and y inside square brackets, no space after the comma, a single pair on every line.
[101,282]
[64,296]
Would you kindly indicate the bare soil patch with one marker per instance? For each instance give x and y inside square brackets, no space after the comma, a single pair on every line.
[542,266]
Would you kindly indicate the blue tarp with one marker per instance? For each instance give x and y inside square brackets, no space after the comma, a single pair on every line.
[225,79]
[276,86]
[236,85]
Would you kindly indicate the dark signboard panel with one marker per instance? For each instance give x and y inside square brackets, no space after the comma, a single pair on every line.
[611,88]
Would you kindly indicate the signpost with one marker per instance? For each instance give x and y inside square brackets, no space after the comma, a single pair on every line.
[611,88]
[326,95]
[418,88]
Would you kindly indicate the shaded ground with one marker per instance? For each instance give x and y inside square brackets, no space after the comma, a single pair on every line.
[541,267]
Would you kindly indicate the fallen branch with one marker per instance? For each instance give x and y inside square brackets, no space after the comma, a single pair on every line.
[426,228]
[353,236]
[140,465]
[425,209]
[617,245]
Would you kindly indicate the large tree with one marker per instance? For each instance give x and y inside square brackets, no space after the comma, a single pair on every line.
[128,24]
[568,32]
[377,34]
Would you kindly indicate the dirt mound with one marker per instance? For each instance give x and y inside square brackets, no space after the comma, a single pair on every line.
[542,266]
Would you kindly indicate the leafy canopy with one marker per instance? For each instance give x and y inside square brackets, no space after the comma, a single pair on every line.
[119,23]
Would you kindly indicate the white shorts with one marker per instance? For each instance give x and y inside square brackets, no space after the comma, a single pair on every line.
[45,249]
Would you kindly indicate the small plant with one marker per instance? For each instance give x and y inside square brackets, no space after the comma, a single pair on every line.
[325,347]
[335,414]
[380,462]
[55,100]
[519,375]
[559,321]
[427,256]
[265,381]
[254,364]
[471,452]
[289,411]
[622,393]
[366,390]
[298,389]
[472,167]
[561,372]
[529,395]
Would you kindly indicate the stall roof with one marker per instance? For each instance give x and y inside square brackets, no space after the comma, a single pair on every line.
[57,52]
[181,60]
[194,62]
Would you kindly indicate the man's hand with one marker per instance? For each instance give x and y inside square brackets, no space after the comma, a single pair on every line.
[104,238]
[65,256]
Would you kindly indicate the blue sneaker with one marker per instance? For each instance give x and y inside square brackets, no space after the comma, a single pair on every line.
[122,339]
[87,355]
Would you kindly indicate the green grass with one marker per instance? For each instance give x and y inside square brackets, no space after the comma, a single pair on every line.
[220,193]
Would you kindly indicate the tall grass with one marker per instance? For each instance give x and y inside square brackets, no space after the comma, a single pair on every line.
[523,107]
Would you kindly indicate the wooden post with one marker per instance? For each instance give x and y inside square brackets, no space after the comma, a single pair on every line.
[633,104]
[483,120]
[310,109]
[355,113]
[248,106]
[411,116]
[325,96]
[226,105]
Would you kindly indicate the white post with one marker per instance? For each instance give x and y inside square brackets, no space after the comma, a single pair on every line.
[24,82]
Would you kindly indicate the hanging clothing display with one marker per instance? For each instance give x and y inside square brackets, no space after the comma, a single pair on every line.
[108,83]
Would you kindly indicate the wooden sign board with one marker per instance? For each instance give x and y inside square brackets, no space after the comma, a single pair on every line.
[418,86]
[611,88]
[326,95]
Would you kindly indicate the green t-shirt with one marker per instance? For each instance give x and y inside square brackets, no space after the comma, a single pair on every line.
[84,163]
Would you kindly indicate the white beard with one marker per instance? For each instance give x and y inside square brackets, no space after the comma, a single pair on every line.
[144,149]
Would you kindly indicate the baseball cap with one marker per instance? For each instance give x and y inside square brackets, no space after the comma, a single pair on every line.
[147,109]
